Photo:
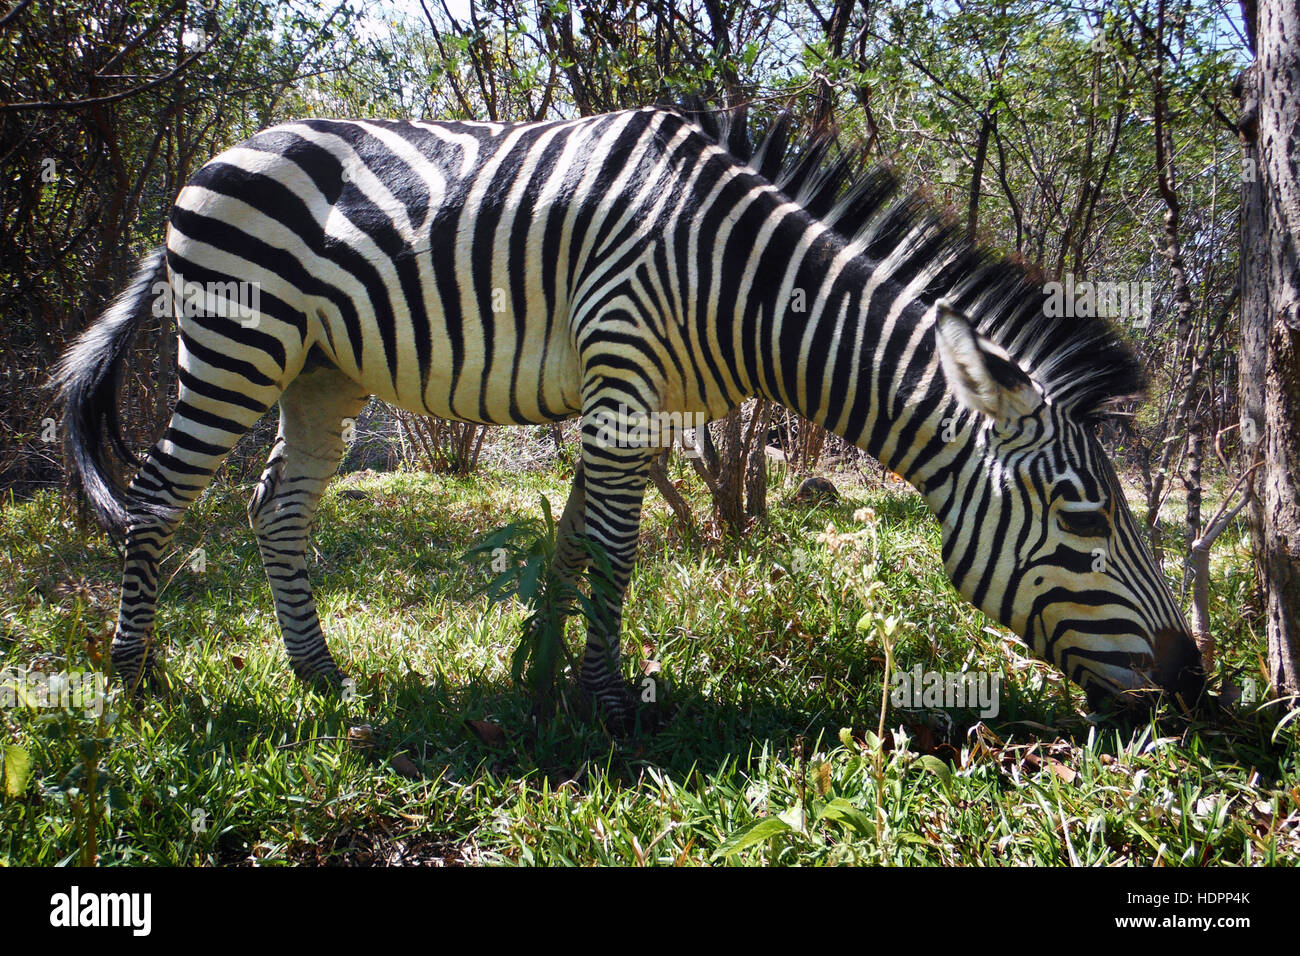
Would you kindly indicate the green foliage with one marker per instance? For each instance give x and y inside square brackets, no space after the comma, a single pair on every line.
[237,762]
[17,770]
[108,108]
[522,557]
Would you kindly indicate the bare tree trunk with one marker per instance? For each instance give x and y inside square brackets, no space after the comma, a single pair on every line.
[756,461]
[824,110]
[1192,484]
[1186,373]
[735,470]
[729,494]
[659,475]
[1270,321]
[977,174]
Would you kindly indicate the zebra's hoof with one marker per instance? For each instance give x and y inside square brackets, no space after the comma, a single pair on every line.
[332,682]
[137,672]
[624,712]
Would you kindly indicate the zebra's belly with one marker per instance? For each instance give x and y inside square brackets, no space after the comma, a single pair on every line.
[506,372]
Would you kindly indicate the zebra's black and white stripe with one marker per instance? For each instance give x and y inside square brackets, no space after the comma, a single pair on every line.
[632,263]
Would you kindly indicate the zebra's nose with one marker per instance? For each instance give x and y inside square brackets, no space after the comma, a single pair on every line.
[1178,666]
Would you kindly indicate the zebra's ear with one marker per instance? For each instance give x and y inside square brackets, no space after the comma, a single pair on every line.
[981,374]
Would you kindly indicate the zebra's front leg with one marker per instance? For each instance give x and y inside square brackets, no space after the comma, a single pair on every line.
[306,454]
[615,479]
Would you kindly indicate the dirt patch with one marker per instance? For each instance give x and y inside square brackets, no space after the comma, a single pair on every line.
[388,843]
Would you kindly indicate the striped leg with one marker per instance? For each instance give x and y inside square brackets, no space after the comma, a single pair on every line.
[571,560]
[304,458]
[615,480]
[207,422]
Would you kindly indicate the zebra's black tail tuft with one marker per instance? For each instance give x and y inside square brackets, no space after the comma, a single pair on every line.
[87,380]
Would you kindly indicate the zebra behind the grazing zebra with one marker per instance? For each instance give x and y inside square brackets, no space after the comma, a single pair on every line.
[625,265]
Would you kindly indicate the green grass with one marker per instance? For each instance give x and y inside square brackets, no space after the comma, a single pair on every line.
[769,698]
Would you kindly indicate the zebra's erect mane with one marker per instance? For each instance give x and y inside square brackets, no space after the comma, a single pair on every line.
[1082,363]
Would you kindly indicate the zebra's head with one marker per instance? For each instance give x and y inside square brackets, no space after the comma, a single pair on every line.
[1037,533]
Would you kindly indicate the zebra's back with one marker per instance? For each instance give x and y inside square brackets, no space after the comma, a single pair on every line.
[441,265]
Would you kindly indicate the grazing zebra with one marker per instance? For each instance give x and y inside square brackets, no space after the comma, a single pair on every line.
[639,262]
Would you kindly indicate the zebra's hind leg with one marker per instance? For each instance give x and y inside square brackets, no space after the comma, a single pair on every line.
[204,427]
[306,454]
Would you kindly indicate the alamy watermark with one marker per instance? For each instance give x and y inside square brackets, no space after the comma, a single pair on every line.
[233,299]
[1086,298]
[21,687]
[77,908]
[633,429]
[947,690]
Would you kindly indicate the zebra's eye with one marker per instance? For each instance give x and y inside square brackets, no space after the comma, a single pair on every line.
[1085,524]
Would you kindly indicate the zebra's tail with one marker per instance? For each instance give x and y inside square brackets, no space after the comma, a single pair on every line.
[87,380]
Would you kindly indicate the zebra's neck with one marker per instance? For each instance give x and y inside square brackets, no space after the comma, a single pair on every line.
[862,362]
[830,335]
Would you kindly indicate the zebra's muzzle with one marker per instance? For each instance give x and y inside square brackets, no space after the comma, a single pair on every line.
[1173,672]
[1178,668]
